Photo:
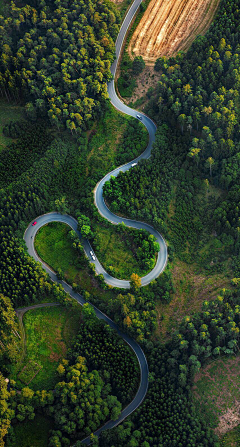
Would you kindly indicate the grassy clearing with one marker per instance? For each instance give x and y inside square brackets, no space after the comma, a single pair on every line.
[106,143]
[216,394]
[103,142]
[8,112]
[55,248]
[31,433]
[122,6]
[114,253]
[232,438]
[49,333]
[192,288]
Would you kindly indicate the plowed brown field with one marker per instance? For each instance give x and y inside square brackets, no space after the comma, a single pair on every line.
[169,26]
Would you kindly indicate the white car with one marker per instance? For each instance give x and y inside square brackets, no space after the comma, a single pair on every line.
[133,164]
[139,117]
[93,257]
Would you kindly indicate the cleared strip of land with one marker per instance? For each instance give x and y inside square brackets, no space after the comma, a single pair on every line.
[169,26]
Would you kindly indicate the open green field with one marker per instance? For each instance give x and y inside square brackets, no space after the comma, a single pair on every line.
[31,433]
[50,331]
[106,146]
[55,248]
[216,394]
[114,253]
[8,112]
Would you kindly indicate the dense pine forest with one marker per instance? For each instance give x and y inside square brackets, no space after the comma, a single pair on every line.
[55,62]
[58,56]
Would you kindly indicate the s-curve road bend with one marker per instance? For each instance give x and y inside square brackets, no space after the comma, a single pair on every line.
[105,212]
[151,128]
[143,386]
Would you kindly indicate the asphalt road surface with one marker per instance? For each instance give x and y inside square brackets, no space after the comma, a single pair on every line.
[104,211]
[143,386]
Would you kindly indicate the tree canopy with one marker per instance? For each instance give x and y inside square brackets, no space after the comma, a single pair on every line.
[58,56]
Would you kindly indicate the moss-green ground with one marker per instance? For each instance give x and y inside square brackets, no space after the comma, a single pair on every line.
[114,253]
[105,144]
[216,394]
[8,112]
[54,246]
[50,331]
[232,438]
[31,433]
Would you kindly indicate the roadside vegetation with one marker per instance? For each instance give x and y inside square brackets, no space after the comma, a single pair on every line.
[130,68]
[122,6]
[113,140]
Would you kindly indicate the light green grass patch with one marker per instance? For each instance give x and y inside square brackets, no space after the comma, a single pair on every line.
[67,259]
[104,143]
[116,251]
[29,371]
[50,331]
[55,247]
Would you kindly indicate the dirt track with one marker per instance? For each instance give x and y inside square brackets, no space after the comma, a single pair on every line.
[169,26]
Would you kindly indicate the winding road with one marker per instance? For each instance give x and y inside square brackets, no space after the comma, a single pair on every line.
[31,231]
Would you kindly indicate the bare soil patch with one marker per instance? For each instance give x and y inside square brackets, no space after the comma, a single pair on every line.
[145,80]
[191,290]
[170,26]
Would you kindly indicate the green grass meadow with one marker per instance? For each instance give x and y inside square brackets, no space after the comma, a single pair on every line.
[31,433]
[50,331]
[54,246]
[114,253]
[105,143]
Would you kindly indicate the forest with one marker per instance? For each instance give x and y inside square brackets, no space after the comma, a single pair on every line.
[57,56]
[55,60]
[196,145]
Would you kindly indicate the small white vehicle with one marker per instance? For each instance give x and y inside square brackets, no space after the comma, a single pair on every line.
[93,257]
[139,117]
[133,164]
